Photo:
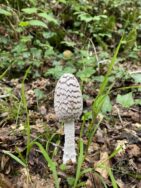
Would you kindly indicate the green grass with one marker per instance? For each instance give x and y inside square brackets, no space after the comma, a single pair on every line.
[79,162]
[24,102]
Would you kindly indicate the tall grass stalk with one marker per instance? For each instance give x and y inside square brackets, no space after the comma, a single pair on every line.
[24,102]
[113,181]
[103,92]
[103,88]
[79,163]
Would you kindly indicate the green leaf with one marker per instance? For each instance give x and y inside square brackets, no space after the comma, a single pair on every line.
[39,94]
[49,17]
[107,106]
[69,70]
[99,78]
[86,73]
[113,181]
[58,71]
[37,23]
[138,101]
[24,24]
[125,100]
[136,77]
[14,157]
[130,40]
[84,16]
[69,43]
[29,10]
[79,162]
[5,12]
[70,181]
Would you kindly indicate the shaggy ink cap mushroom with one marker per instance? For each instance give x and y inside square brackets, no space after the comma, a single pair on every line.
[68,104]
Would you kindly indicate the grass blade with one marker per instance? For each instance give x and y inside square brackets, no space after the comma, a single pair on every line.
[23,99]
[80,162]
[51,164]
[14,157]
[114,184]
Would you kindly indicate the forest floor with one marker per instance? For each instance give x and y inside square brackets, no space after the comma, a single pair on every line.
[121,128]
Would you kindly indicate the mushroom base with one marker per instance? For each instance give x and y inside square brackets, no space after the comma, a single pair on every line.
[69,146]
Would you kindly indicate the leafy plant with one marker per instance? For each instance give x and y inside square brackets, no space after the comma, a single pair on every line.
[58,71]
[125,100]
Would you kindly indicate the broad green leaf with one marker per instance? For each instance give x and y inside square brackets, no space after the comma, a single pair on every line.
[136,77]
[99,78]
[84,16]
[125,100]
[86,73]
[69,43]
[39,94]
[138,101]
[69,70]
[5,12]
[49,17]
[58,71]
[37,23]
[107,106]
[29,10]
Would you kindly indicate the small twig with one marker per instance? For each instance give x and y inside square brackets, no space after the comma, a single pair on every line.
[96,56]
[119,115]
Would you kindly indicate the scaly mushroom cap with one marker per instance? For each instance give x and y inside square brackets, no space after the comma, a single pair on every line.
[68,102]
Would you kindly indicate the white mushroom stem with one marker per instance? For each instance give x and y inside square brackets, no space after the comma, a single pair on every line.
[69,145]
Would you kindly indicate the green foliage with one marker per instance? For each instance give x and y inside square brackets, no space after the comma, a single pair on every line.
[136,77]
[85,73]
[39,94]
[49,32]
[58,71]
[107,106]
[5,12]
[27,121]
[10,107]
[125,100]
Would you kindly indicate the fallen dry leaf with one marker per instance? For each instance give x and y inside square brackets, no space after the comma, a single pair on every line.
[5,182]
[133,150]
[123,145]
[103,164]
[120,183]
[93,181]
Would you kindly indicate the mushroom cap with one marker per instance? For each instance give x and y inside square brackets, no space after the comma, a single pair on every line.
[68,101]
